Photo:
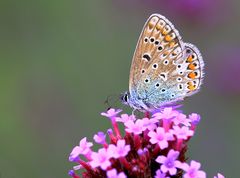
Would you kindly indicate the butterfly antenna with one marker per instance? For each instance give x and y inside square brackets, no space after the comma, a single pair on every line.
[108,101]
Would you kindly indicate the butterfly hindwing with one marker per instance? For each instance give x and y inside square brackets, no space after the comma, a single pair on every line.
[164,68]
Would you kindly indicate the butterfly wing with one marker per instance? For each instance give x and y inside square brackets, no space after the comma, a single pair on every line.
[160,73]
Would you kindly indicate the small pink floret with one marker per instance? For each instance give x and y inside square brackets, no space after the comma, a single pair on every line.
[160,137]
[100,159]
[111,113]
[166,114]
[192,170]
[135,128]
[169,163]
[182,132]
[219,176]
[113,174]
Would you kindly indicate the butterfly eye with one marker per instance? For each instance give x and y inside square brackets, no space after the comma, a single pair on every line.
[179,66]
[125,98]
[155,66]
[172,95]
[143,71]
[145,39]
[156,42]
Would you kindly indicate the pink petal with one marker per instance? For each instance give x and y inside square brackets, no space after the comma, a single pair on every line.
[161,159]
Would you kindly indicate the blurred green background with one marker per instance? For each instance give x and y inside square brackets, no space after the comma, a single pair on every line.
[61,59]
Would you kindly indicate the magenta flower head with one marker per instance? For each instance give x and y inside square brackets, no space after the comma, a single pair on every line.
[152,146]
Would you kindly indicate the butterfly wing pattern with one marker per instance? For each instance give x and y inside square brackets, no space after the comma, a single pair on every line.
[164,69]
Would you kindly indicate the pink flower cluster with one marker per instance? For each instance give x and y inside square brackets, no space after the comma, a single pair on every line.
[150,147]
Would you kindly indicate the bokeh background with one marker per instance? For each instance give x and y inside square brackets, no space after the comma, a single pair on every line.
[61,59]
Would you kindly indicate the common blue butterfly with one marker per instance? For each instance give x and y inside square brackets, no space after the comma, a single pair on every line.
[164,69]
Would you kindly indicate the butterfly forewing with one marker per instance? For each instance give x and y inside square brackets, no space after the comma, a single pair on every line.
[164,69]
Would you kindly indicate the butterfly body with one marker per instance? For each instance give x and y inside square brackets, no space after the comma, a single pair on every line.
[164,69]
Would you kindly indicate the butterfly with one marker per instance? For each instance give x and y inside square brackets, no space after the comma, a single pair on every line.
[164,69]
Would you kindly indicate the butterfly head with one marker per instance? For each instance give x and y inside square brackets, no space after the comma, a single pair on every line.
[131,100]
[124,97]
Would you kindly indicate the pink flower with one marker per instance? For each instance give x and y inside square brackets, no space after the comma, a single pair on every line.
[219,176]
[167,114]
[74,154]
[135,128]
[160,137]
[169,163]
[125,117]
[182,132]
[100,138]
[82,149]
[192,171]
[119,150]
[159,174]
[195,118]
[100,159]
[181,119]
[111,113]
[149,124]
[113,174]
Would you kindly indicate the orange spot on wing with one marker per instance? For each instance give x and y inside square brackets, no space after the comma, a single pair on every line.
[191,87]
[171,44]
[191,75]
[168,38]
[164,32]
[158,27]
[190,58]
[150,25]
[191,66]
